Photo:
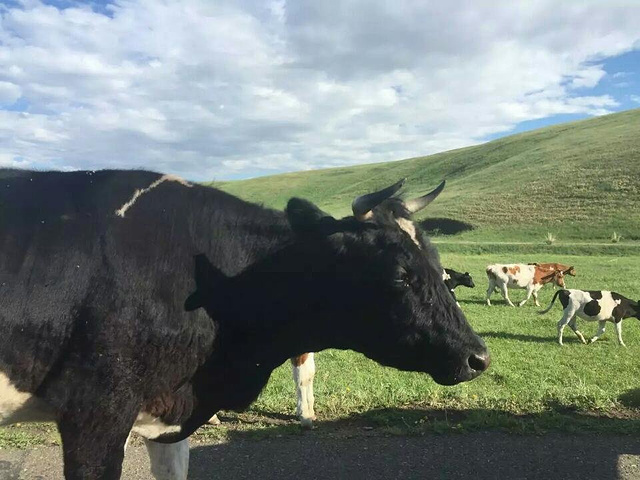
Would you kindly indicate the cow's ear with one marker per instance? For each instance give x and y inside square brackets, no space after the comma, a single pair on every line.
[305,218]
[208,282]
[194,301]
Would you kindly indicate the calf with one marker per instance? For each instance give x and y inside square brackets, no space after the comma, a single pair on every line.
[97,335]
[531,277]
[453,279]
[595,306]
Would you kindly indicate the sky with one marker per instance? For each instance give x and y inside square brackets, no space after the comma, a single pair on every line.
[237,89]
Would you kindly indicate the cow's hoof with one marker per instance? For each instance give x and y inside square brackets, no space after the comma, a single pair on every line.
[307,423]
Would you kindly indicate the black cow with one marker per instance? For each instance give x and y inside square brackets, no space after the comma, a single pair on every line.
[391,211]
[453,279]
[97,336]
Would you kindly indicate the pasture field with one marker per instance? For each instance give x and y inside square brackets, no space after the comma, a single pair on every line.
[579,181]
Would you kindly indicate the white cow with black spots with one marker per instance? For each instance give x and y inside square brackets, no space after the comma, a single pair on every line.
[593,305]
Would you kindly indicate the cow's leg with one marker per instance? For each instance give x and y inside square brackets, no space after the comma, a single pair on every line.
[169,461]
[601,326]
[601,329]
[304,369]
[535,295]
[94,436]
[492,286]
[574,327]
[505,294]
[618,326]
[530,290]
[566,318]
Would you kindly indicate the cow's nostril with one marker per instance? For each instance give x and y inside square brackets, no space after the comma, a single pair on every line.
[479,362]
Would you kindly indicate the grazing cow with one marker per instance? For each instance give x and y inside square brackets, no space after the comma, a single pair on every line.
[595,306]
[519,275]
[97,335]
[453,279]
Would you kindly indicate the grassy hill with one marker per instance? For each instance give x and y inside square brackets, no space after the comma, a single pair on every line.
[579,181]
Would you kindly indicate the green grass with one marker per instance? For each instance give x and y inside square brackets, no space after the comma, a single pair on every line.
[579,181]
[532,384]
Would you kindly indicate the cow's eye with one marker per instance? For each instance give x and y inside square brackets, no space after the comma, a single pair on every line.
[402,282]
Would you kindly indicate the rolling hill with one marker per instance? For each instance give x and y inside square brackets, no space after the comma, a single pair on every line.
[579,181]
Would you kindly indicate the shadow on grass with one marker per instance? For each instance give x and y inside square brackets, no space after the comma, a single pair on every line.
[520,337]
[444,226]
[425,443]
[631,399]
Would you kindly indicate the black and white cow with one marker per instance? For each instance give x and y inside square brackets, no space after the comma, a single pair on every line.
[453,280]
[95,268]
[595,306]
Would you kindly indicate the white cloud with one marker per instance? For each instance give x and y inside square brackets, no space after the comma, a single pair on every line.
[214,89]
[9,93]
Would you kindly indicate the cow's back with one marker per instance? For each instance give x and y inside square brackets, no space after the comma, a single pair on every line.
[92,270]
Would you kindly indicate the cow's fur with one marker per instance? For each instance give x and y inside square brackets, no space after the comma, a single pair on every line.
[600,306]
[98,337]
[531,277]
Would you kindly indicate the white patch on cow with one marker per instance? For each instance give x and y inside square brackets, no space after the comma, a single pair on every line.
[152,427]
[446,276]
[141,191]
[169,461]
[17,406]
[408,227]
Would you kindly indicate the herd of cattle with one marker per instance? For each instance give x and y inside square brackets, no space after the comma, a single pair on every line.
[134,301]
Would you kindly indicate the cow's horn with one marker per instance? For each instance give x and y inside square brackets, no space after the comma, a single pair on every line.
[419,203]
[363,204]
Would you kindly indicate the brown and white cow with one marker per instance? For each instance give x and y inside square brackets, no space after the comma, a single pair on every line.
[568,270]
[531,277]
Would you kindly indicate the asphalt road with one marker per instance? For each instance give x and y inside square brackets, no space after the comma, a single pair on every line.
[479,456]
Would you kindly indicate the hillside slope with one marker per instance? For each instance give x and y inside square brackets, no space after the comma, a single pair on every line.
[579,180]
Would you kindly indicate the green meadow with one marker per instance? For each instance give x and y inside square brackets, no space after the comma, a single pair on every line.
[578,182]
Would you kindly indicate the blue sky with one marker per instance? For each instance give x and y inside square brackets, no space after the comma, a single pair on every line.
[622,83]
[236,89]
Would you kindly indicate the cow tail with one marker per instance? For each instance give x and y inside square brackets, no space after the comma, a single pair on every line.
[490,274]
[552,302]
